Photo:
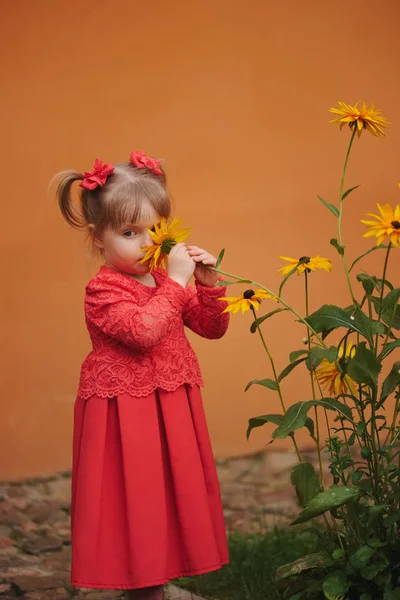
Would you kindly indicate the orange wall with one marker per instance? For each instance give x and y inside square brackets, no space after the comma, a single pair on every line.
[235,98]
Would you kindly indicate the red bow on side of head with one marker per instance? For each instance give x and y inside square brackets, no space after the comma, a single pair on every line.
[98,176]
[141,161]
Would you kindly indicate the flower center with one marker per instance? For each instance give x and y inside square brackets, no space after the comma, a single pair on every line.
[248,294]
[304,259]
[167,245]
[395,224]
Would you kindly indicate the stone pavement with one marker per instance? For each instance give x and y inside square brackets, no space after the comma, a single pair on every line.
[35,545]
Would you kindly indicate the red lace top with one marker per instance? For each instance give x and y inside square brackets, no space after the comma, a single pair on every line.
[138,337]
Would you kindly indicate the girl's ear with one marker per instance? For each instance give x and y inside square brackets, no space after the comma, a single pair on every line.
[96,239]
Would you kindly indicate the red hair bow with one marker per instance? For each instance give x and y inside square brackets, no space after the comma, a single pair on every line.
[141,161]
[98,176]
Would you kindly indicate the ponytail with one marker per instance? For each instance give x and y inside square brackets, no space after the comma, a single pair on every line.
[65,179]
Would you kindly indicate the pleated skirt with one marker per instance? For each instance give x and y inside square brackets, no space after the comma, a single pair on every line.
[146,504]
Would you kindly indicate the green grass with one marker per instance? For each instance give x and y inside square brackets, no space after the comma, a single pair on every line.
[254,559]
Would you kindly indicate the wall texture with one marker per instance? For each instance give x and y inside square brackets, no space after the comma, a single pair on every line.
[235,97]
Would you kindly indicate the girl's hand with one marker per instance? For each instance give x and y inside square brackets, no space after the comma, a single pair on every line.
[180,265]
[203,275]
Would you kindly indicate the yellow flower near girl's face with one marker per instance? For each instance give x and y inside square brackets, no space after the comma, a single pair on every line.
[331,378]
[165,236]
[305,263]
[247,300]
[387,224]
[362,118]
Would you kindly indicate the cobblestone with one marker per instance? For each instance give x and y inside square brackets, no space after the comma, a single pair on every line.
[35,543]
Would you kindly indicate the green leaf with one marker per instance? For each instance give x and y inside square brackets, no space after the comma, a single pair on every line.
[311,561]
[309,424]
[356,477]
[368,326]
[388,349]
[368,282]
[338,554]
[268,383]
[262,420]
[306,482]
[374,511]
[391,309]
[365,452]
[318,354]
[258,322]
[348,310]
[296,415]
[293,356]
[390,313]
[375,543]
[334,404]
[294,418]
[391,382]
[361,557]
[331,207]
[371,571]
[364,367]
[329,317]
[220,257]
[289,369]
[347,192]
[392,594]
[335,583]
[333,242]
[361,427]
[333,498]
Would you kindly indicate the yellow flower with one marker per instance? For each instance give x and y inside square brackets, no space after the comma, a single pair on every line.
[331,378]
[247,300]
[165,236]
[387,224]
[362,118]
[305,262]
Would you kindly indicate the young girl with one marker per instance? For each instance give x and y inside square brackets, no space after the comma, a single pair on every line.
[146,504]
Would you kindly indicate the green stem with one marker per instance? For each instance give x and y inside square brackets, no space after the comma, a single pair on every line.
[366,438]
[278,298]
[382,292]
[374,428]
[337,533]
[321,473]
[340,237]
[328,427]
[271,360]
[391,433]
[292,310]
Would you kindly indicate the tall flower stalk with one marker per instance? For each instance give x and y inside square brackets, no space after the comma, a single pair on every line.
[311,369]
[276,379]
[363,445]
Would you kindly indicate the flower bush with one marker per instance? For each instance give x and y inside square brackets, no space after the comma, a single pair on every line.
[357,549]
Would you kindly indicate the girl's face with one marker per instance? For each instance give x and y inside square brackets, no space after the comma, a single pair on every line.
[122,247]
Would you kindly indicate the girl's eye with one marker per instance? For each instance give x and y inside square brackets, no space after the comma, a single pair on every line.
[129,233]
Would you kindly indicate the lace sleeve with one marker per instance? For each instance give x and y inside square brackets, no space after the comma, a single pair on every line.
[111,308]
[203,313]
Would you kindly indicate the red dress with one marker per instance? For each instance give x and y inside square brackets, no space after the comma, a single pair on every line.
[146,505]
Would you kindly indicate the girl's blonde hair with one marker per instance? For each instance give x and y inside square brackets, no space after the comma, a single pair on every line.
[115,203]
